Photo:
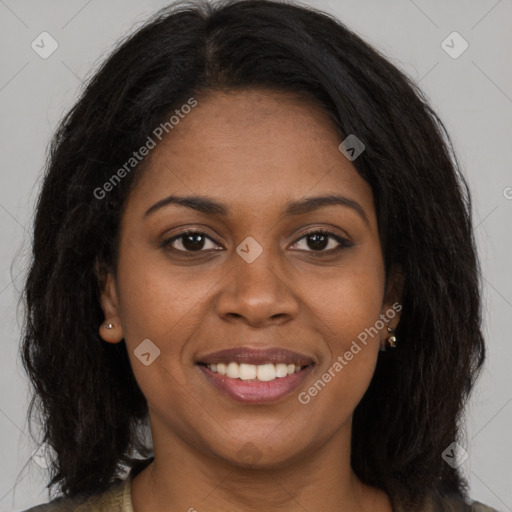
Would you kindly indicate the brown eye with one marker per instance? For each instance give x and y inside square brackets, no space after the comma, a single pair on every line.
[192,241]
[319,241]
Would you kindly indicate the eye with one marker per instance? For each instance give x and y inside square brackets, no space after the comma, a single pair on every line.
[190,241]
[320,240]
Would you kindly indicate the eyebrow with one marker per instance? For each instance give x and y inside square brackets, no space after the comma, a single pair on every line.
[209,206]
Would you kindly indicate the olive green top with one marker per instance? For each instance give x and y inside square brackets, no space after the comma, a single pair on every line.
[117,498]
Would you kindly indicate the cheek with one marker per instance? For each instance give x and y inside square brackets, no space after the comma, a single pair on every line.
[349,309]
[349,300]
[342,379]
[157,300]
[163,306]
[160,312]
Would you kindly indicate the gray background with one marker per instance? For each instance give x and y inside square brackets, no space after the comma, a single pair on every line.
[472,94]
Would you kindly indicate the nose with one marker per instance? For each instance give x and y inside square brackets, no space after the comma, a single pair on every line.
[257,294]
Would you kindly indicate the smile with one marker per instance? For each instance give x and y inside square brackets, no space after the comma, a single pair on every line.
[256,376]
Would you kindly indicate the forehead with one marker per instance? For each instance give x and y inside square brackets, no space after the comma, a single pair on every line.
[251,148]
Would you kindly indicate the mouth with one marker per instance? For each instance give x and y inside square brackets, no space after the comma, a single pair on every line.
[256,376]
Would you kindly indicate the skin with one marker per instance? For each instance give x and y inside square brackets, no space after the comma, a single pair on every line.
[253,151]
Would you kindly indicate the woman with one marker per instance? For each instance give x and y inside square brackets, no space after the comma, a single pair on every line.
[253,235]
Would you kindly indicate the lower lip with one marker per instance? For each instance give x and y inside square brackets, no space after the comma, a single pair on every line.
[256,392]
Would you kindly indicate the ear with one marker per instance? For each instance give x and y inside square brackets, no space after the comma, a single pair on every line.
[111,330]
[392,304]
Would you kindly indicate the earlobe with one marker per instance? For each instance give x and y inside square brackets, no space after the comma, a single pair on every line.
[111,329]
[111,332]
[389,341]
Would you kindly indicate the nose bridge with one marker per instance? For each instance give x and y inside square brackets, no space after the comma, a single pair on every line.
[255,290]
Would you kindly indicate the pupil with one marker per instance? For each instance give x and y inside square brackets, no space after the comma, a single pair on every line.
[192,245]
[318,241]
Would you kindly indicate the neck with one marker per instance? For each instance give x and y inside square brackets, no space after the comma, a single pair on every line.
[188,480]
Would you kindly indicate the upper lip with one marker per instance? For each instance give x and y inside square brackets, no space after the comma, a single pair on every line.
[256,356]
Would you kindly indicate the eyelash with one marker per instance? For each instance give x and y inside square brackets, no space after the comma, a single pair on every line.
[343,243]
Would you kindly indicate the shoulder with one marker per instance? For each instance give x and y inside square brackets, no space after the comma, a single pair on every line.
[476,506]
[459,504]
[115,499]
[452,502]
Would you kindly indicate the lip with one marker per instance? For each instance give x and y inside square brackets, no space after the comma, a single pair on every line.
[248,355]
[255,392]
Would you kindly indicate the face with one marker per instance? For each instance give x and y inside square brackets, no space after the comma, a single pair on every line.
[285,284]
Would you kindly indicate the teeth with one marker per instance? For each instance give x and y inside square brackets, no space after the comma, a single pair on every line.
[261,372]
[266,372]
[233,371]
[282,369]
[247,371]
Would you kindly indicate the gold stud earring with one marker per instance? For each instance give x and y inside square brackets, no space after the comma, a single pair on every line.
[390,341]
